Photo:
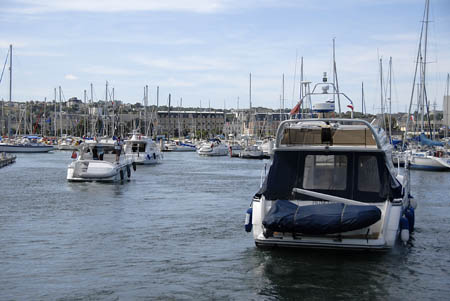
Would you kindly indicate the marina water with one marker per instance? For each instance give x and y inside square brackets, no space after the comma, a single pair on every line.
[175,231]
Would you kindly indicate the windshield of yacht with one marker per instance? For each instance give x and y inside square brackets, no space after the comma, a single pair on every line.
[325,172]
[138,147]
[360,176]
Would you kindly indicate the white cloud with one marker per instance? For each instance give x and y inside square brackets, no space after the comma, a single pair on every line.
[198,6]
[15,43]
[38,53]
[395,37]
[70,77]
[113,6]
[102,70]
[192,63]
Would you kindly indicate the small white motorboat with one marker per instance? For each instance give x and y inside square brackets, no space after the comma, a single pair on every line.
[142,150]
[252,152]
[101,161]
[179,146]
[213,148]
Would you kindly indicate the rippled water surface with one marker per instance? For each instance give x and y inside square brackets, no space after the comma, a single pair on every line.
[175,231]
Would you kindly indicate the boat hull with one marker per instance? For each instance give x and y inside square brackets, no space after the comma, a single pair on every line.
[145,159]
[213,151]
[25,148]
[96,171]
[430,163]
[380,236]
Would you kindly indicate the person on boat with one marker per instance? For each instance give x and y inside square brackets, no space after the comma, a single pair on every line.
[95,153]
[118,148]
[100,153]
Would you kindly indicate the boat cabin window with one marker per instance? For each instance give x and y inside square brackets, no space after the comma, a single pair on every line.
[360,176]
[138,147]
[368,176]
[98,152]
[325,172]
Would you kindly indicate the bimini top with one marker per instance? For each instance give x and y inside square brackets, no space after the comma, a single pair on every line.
[328,133]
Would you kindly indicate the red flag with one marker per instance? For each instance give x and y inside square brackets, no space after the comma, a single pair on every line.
[296,109]
[350,106]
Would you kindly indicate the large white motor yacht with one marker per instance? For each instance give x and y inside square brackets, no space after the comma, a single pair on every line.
[331,185]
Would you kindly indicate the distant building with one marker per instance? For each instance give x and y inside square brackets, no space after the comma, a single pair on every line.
[74,102]
[265,124]
[182,123]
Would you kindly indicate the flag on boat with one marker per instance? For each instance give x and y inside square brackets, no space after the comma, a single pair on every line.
[296,109]
[411,117]
[350,105]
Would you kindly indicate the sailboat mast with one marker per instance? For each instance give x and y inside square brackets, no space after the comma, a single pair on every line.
[383,122]
[91,102]
[145,109]
[60,111]
[282,100]
[45,117]
[446,102]
[427,8]
[390,98]
[25,121]
[86,113]
[10,90]
[157,108]
[421,96]
[414,84]
[250,92]
[295,75]
[113,117]
[55,127]
[335,77]
[168,115]
[3,117]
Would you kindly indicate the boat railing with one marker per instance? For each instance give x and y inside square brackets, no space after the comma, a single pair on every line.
[333,123]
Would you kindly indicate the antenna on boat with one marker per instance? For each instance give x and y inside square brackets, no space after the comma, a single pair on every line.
[325,88]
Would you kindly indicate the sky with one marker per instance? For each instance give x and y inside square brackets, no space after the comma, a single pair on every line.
[202,51]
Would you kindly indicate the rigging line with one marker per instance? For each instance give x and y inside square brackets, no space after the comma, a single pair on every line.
[395,89]
[414,82]
[6,61]
[63,97]
[428,111]
[295,75]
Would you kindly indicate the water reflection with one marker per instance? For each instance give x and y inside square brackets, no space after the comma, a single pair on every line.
[313,274]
